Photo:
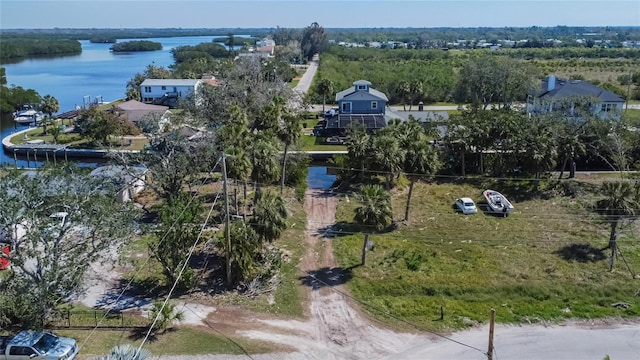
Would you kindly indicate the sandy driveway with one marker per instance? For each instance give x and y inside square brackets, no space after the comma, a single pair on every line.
[334,329]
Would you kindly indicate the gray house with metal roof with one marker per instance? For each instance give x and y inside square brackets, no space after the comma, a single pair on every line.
[556,93]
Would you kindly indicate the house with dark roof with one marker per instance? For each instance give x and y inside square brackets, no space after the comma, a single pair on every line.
[558,94]
[358,104]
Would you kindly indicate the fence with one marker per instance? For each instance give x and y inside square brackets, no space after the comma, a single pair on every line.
[80,319]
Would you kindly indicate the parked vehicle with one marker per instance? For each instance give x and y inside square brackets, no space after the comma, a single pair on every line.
[466,205]
[497,203]
[331,112]
[42,345]
[5,249]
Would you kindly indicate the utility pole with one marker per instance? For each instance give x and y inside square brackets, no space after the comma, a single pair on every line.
[227,229]
[628,88]
[491,326]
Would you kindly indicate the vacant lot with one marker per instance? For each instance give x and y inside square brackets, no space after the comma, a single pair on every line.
[544,262]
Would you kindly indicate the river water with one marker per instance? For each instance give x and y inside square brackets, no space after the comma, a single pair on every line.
[97,73]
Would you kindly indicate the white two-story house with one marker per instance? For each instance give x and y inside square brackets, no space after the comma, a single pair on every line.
[167,91]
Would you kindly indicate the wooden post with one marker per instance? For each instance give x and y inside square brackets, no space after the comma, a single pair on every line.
[28,162]
[15,158]
[364,248]
[491,326]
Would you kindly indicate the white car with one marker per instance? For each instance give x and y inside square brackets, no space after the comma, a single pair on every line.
[466,205]
[331,112]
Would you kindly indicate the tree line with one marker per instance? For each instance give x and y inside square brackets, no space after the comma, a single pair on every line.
[410,76]
[23,48]
[137,45]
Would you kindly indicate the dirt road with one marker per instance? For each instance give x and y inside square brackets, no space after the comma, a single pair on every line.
[334,329]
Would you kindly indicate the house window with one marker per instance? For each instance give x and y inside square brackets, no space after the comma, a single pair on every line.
[362,87]
[374,105]
[346,107]
[164,88]
[608,107]
[147,89]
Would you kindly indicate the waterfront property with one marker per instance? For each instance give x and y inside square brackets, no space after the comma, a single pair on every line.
[149,118]
[167,91]
[556,93]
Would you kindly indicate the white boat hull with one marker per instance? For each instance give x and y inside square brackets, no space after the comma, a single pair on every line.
[497,203]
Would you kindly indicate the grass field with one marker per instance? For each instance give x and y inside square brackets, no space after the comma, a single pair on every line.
[311,143]
[544,262]
[75,140]
[177,341]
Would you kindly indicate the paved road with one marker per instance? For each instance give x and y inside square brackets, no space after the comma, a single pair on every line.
[620,342]
[307,78]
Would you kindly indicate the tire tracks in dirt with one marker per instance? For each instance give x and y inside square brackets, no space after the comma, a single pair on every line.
[335,329]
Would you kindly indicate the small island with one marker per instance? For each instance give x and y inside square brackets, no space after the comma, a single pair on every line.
[138,45]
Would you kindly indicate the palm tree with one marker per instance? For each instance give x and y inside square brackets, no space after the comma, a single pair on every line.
[264,156]
[403,89]
[416,88]
[421,159]
[165,315]
[126,352]
[269,215]
[621,202]
[375,209]
[289,133]
[358,146]
[55,132]
[238,167]
[541,149]
[388,155]
[49,106]
[245,245]
[324,88]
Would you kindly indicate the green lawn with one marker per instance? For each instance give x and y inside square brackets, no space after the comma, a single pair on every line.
[76,140]
[178,341]
[541,263]
[312,143]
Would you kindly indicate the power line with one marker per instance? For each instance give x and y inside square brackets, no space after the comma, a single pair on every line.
[416,326]
[175,283]
[142,266]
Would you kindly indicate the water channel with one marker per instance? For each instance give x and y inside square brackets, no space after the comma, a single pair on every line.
[98,73]
[95,74]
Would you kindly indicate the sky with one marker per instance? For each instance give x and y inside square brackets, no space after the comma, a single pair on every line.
[47,14]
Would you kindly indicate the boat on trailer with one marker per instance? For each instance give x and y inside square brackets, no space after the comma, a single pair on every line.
[497,203]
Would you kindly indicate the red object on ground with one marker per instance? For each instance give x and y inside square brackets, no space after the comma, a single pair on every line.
[4,262]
